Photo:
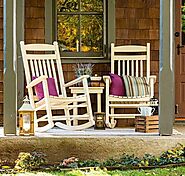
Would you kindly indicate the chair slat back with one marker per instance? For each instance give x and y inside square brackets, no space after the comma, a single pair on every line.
[130,60]
[43,59]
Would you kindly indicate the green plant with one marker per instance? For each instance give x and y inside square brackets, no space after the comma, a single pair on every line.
[175,155]
[176,171]
[110,162]
[129,160]
[91,172]
[149,160]
[29,161]
[89,163]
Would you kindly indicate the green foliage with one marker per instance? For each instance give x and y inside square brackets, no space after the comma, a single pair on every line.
[176,155]
[177,171]
[183,18]
[110,162]
[78,29]
[92,172]
[89,163]
[30,161]
[148,160]
[75,173]
[129,160]
[173,156]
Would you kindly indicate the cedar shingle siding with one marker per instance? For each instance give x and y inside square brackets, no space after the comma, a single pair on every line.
[137,22]
[34,21]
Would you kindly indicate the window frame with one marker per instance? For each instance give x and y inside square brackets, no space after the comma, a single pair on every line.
[109,30]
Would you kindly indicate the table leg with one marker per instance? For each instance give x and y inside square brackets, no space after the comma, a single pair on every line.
[98,102]
[75,121]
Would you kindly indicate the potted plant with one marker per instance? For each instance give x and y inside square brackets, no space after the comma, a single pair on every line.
[83,69]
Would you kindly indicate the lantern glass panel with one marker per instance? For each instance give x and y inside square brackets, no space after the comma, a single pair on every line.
[26,121]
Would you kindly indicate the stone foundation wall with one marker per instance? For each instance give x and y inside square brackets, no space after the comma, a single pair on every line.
[98,148]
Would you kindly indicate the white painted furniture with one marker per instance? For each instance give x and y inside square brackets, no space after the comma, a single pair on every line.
[92,90]
[133,60]
[43,61]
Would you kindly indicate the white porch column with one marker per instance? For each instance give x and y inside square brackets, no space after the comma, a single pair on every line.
[166,75]
[10,57]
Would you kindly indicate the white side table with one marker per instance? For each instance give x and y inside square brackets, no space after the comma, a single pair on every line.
[92,90]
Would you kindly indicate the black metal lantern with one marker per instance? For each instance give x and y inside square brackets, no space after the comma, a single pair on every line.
[99,120]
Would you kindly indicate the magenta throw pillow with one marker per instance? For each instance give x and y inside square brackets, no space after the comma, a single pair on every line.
[117,86]
[51,87]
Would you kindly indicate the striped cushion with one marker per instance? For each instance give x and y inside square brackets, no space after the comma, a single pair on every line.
[136,86]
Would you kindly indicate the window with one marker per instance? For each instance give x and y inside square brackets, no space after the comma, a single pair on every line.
[87,48]
[81,27]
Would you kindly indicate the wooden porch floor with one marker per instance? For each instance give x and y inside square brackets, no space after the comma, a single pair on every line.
[57,132]
[179,129]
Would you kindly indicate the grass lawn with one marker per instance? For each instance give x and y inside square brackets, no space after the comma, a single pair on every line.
[178,171]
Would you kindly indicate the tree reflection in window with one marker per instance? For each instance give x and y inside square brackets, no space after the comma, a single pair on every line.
[80,25]
[67,5]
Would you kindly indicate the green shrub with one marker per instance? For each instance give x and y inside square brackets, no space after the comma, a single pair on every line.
[173,156]
[29,161]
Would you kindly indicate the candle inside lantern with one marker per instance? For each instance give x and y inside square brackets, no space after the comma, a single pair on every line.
[26,118]
[26,122]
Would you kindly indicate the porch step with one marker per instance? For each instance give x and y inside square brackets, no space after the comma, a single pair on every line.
[87,144]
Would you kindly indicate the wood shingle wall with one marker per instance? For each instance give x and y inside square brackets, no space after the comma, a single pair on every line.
[34,21]
[137,22]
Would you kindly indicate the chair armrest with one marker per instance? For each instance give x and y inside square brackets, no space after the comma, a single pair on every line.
[107,81]
[36,81]
[77,80]
[106,78]
[152,78]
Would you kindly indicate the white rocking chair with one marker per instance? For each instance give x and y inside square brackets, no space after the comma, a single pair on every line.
[41,62]
[134,62]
